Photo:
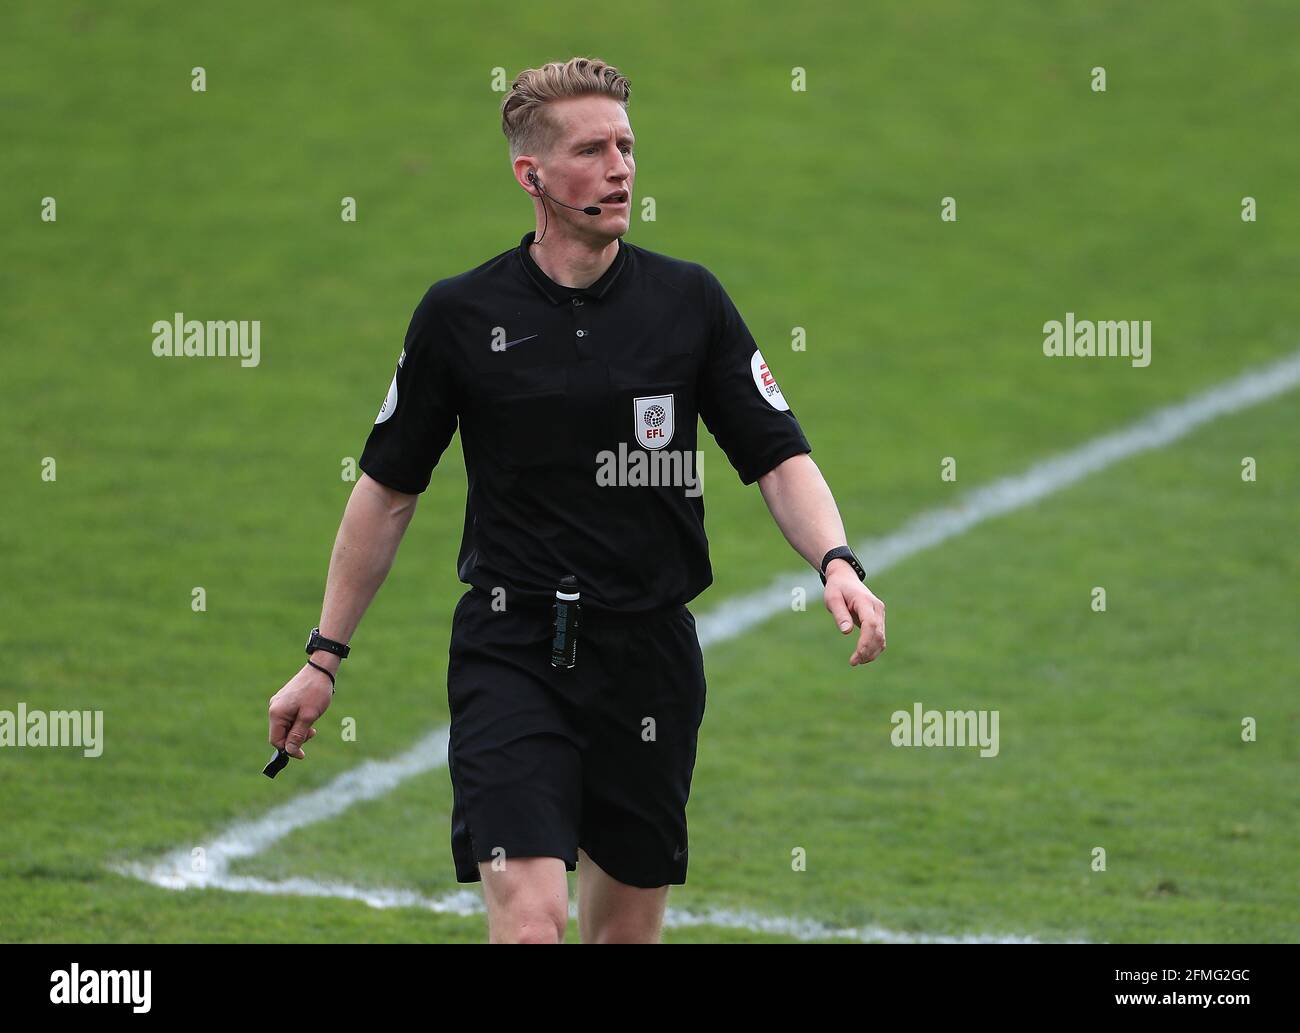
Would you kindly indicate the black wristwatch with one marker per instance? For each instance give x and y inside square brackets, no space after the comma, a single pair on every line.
[843,552]
[317,641]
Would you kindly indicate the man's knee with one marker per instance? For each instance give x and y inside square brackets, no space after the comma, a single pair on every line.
[640,930]
[528,902]
[543,928]
[528,921]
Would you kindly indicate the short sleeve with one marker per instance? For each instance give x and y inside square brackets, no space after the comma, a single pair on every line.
[739,399]
[418,416]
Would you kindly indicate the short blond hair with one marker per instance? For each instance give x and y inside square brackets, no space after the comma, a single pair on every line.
[524,120]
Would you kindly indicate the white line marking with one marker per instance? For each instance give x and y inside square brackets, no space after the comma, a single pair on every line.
[182,869]
[467,903]
[373,779]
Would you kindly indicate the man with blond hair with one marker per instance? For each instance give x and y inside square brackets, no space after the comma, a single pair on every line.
[571,363]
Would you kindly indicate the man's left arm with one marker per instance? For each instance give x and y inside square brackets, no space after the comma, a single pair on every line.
[803,507]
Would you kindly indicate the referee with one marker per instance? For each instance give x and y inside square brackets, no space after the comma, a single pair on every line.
[576,365]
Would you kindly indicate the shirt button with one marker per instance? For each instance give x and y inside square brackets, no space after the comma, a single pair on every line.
[577,301]
[582,333]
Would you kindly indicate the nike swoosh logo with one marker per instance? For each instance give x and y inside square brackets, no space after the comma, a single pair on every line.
[520,341]
[678,854]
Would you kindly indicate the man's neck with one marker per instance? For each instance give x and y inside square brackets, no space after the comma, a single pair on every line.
[573,263]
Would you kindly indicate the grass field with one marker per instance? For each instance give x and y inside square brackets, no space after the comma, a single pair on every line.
[820,209]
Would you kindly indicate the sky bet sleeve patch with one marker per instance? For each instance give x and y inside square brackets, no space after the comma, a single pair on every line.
[739,399]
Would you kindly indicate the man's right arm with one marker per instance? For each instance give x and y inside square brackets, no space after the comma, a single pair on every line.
[412,430]
[373,523]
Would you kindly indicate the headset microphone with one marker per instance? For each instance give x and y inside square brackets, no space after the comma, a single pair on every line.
[591,209]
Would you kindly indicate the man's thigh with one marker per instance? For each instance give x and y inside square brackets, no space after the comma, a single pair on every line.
[610,911]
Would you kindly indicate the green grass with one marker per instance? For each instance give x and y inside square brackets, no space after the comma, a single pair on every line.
[816,209]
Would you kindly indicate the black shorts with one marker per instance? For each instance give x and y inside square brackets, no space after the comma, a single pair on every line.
[544,760]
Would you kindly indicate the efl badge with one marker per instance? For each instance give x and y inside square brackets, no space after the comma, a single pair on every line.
[653,416]
[766,383]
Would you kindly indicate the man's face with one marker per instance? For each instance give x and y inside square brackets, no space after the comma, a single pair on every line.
[591,157]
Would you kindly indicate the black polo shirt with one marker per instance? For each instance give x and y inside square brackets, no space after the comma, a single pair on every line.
[555,388]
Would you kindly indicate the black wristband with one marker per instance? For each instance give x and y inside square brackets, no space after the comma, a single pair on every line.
[328,673]
[842,552]
[317,641]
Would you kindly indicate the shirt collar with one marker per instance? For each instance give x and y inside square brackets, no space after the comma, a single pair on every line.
[558,294]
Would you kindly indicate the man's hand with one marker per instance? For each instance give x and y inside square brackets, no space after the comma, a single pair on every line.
[802,505]
[851,602]
[293,709]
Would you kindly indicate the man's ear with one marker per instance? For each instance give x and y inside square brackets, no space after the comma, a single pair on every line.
[526,172]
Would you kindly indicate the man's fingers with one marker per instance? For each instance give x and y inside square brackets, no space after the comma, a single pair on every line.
[840,611]
[298,734]
[290,719]
[871,642]
[279,727]
[868,613]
